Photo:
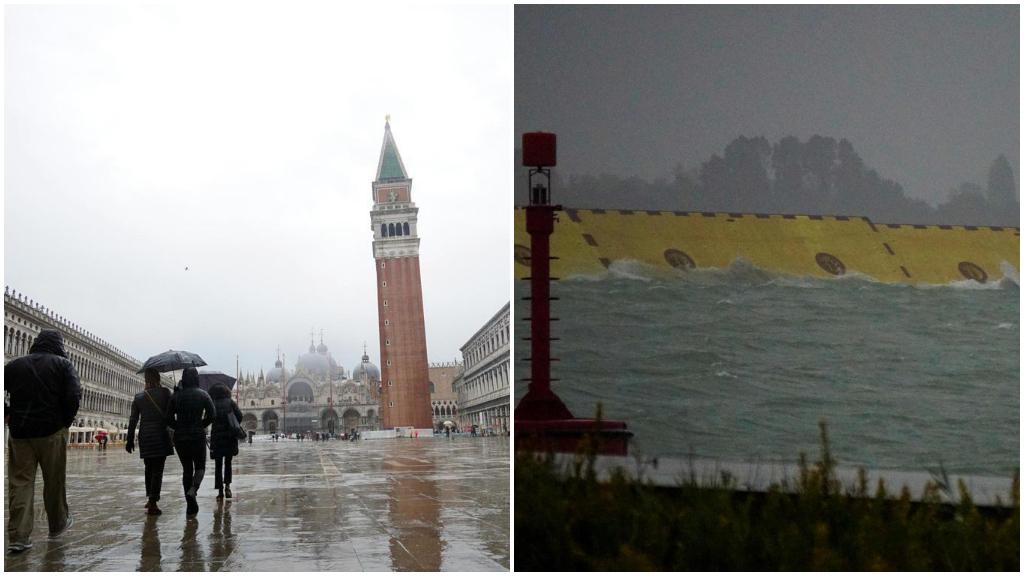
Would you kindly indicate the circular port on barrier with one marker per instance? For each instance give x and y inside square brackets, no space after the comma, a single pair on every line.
[830,263]
[972,271]
[522,255]
[679,259]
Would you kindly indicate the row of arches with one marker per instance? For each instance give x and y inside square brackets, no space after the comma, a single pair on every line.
[96,401]
[93,423]
[394,229]
[269,421]
[494,418]
[445,409]
[16,342]
[116,431]
[495,378]
[498,340]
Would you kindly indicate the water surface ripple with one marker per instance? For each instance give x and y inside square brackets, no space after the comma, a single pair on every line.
[740,365]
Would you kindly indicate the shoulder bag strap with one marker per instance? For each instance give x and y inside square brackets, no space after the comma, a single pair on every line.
[146,392]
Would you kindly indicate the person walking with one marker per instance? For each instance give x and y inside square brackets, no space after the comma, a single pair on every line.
[190,412]
[44,396]
[151,405]
[224,438]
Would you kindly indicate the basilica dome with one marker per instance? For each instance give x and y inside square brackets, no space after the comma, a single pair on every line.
[366,368]
[277,373]
[317,362]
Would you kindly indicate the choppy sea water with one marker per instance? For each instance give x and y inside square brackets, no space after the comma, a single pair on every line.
[741,364]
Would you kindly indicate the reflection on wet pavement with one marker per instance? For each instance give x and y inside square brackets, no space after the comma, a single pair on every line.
[380,505]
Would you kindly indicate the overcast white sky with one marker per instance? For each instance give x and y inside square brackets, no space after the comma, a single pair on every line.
[241,142]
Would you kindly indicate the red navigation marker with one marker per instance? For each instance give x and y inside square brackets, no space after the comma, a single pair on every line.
[542,420]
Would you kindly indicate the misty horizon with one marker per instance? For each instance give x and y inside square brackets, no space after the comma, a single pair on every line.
[928,96]
[820,176]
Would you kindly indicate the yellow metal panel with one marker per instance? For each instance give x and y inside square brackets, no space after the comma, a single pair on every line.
[586,241]
[574,256]
[787,244]
[933,254]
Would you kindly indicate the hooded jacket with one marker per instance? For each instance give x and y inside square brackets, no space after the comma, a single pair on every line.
[44,389]
[191,409]
[223,441]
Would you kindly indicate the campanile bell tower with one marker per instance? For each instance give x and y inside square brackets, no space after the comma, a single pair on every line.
[405,390]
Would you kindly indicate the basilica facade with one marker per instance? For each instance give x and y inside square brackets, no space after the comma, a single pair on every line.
[317,394]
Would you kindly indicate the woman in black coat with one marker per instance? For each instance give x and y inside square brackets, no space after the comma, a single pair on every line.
[154,439]
[223,438]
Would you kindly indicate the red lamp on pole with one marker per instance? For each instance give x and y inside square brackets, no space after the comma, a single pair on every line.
[541,418]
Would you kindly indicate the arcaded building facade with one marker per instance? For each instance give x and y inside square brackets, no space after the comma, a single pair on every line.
[405,393]
[484,387]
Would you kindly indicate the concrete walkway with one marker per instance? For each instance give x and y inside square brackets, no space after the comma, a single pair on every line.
[381,505]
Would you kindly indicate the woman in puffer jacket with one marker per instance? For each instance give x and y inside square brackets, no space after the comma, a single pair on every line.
[223,439]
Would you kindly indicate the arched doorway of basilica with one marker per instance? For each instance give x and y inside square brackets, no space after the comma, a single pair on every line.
[300,391]
[301,414]
[270,422]
[330,422]
[350,418]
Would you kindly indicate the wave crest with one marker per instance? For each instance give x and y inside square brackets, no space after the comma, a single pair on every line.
[742,272]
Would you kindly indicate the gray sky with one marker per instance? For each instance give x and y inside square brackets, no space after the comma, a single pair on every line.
[241,142]
[929,96]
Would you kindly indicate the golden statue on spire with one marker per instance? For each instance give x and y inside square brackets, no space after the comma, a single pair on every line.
[387,118]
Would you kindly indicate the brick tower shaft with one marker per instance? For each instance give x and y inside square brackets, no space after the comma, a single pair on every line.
[405,389]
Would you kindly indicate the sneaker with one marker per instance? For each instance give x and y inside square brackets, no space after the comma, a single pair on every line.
[18,547]
[227,492]
[192,507]
[67,524]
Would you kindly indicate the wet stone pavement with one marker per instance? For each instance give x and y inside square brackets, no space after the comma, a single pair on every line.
[375,505]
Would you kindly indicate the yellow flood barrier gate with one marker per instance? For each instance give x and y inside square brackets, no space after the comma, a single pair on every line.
[586,242]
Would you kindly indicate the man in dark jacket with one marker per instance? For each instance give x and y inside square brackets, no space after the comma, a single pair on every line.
[190,412]
[44,396]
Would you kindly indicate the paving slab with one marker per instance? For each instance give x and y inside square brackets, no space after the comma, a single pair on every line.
[428,504]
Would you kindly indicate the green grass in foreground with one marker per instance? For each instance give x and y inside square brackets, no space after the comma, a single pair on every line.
[573,522]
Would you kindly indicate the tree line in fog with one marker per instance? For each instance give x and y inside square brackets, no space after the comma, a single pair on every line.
[818,176]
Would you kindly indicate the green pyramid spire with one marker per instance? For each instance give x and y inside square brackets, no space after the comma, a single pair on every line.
[390,166]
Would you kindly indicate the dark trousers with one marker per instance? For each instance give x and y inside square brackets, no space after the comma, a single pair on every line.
[218,463]
[192,454]
[154,476]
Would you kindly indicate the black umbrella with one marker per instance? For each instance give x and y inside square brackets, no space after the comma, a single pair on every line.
[210,378]
[172,360]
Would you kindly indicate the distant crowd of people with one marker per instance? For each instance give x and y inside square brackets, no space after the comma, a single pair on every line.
[43,400]
[474,430]
[352,435]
